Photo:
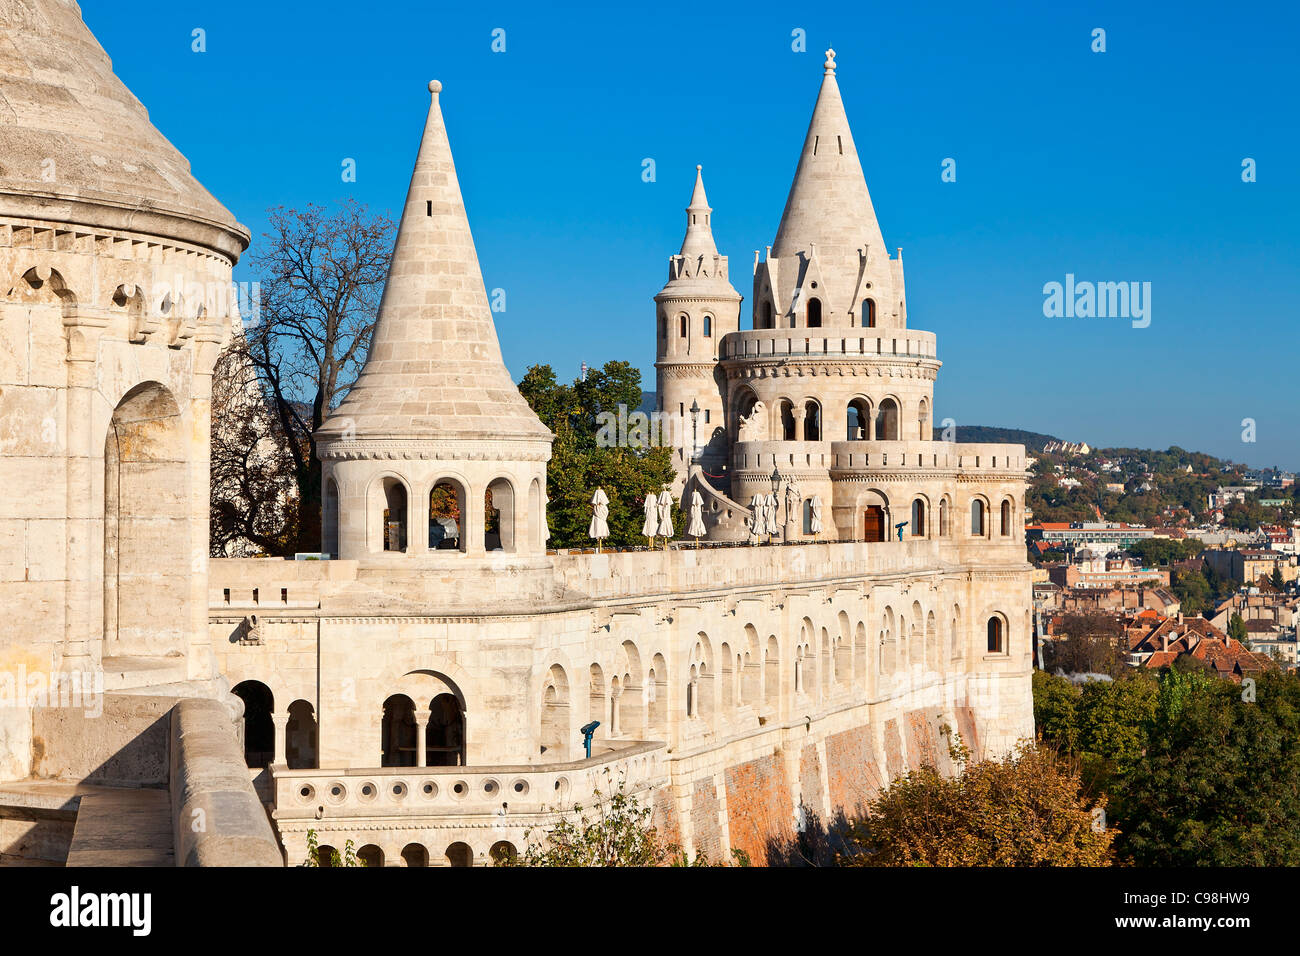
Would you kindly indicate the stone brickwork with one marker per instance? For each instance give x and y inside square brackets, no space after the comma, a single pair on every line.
[852,772]
[759,806]
[704,821]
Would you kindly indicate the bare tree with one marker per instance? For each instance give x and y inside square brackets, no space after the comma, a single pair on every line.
[253,507]
[321,275]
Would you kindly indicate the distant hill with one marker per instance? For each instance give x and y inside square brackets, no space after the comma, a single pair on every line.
[1033,441]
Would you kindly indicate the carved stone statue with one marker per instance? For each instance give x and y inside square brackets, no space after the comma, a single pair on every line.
[754,427]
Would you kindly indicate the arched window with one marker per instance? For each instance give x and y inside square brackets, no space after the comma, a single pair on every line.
[300,736]
[394,515]
[397,740]
[446,516]
[765,320]
[923,431]
[708,326]
[859,418]
[943,518]
[997,636]
[977,518]
[1006,517]
[918,518]
[259,729]
[681,325]
[499,516]
[868,313]
[887,421]
[444,737]
[787,420]
[814,313]
[812,421]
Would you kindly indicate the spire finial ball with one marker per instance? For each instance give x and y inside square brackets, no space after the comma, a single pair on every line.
[830,61]
[435,87]
[698,167]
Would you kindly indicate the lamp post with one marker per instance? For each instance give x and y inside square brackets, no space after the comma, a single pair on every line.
[695,426]
[776,494]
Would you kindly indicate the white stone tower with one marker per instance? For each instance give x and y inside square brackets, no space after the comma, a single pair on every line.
[695,309]
[434,407]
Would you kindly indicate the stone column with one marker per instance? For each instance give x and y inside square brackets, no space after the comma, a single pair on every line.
[281,722]
[84,598]
[798,414]
[421,737]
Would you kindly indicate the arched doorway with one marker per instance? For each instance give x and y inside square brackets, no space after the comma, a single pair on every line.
[814,313]
[812,421]
[503,853]
[371,856]
[459,854]
[259,729]
[413,854]
[147,516]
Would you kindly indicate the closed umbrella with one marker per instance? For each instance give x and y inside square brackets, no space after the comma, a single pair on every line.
[665,515]
[599,527]
[651,525]
[696,529]
[758,522]
[816,526]
[769,515]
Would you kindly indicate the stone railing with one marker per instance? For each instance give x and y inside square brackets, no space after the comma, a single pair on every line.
[217,819]
[828,343]
[995,460]
[487,791]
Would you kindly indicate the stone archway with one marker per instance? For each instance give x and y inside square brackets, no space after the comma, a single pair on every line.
[147,554]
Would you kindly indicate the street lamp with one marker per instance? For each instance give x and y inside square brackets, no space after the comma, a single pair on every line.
[695,426]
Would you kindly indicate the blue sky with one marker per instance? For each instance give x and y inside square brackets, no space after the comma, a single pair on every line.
[1117,166]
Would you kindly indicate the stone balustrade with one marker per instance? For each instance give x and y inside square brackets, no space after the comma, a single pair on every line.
[944,459]
[828,343]
[467,791]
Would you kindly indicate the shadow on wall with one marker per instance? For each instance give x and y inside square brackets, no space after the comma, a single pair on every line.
[817,843]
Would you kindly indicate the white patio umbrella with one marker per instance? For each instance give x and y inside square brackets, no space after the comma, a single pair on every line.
[665,515]
[759,520]
[599,527]
[650,527]
[816,514]
[696,529]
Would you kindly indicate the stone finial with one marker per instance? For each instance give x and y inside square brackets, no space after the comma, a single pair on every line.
[435,87]
[830,61]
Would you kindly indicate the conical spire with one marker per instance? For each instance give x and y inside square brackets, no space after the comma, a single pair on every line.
[435,369]
[829,205]
[699,231]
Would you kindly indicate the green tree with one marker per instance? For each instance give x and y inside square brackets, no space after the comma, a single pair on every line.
[1027,810]
[1220,782]
[581,462]
[1056,702]
[1237,627]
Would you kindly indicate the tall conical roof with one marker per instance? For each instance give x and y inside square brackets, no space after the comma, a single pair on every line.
[434,370]
[699,231]
[829,204]
[77,147]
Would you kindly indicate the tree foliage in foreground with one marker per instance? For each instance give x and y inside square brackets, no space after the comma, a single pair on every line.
[1026,810]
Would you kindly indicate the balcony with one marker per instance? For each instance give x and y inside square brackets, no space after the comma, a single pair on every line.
[828,343]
